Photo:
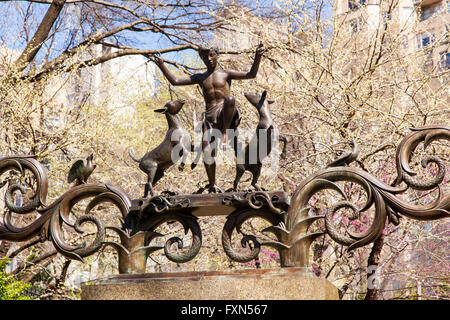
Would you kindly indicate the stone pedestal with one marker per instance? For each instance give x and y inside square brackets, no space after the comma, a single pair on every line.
[271,284]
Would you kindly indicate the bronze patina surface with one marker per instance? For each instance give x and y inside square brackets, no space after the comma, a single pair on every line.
[289,216]
[221,109]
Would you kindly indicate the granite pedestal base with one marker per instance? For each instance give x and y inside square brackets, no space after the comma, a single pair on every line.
[271,284]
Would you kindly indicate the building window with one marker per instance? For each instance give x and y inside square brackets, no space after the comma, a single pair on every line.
[355,25]
[428,61]
[424,40]
[356,4]
[404,42]
[406,13]
[52,123]
[427,12]
[444,60]
[386,18]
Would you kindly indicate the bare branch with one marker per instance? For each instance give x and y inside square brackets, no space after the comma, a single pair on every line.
[40,36]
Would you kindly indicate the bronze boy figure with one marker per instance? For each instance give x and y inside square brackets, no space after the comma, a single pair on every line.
[221,111]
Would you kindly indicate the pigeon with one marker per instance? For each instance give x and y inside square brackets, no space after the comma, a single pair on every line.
[81,170]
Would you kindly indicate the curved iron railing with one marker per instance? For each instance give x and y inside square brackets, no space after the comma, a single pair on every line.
[289,216]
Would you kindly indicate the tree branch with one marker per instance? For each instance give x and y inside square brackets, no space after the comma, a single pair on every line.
[374,260]
[40,36]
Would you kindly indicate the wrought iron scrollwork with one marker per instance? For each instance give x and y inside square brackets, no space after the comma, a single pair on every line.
[160,203]
[19,164]
[405,149]
[326,179]
[255,199]
[189,222]
[258,204]
[289,220]
[235,221]
[52,218]
[383,197]
[63,206]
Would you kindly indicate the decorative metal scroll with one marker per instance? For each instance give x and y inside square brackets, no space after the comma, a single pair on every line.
[53,220]
[234,222]
[294,241]
[54,217]
[289,219]
[291,227]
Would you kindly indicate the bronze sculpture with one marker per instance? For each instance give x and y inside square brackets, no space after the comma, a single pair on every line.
[261,144]
[156,161]
[347,157]
[81,170]
[221,111]
[289,215]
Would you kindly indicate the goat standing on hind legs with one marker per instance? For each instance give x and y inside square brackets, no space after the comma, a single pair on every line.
[251,158]
[156,161]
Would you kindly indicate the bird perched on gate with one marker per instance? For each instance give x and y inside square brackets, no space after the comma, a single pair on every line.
[81,170]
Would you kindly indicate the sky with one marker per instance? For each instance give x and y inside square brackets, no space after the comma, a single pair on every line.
[13,31]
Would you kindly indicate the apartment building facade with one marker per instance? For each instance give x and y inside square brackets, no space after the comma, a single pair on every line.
[116,82]
[420,24]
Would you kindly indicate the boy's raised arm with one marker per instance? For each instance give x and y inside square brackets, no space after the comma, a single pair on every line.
[172,79]
[253,71]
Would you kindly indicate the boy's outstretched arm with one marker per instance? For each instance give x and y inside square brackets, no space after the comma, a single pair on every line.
[236,75]
[170,77]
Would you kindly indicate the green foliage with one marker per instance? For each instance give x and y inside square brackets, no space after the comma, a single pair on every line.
[10,289]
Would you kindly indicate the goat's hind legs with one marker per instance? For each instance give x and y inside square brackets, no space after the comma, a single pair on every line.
[151,180]
[256,172]
[239,172]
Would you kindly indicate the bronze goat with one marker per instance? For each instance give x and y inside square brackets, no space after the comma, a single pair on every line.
[156,161]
